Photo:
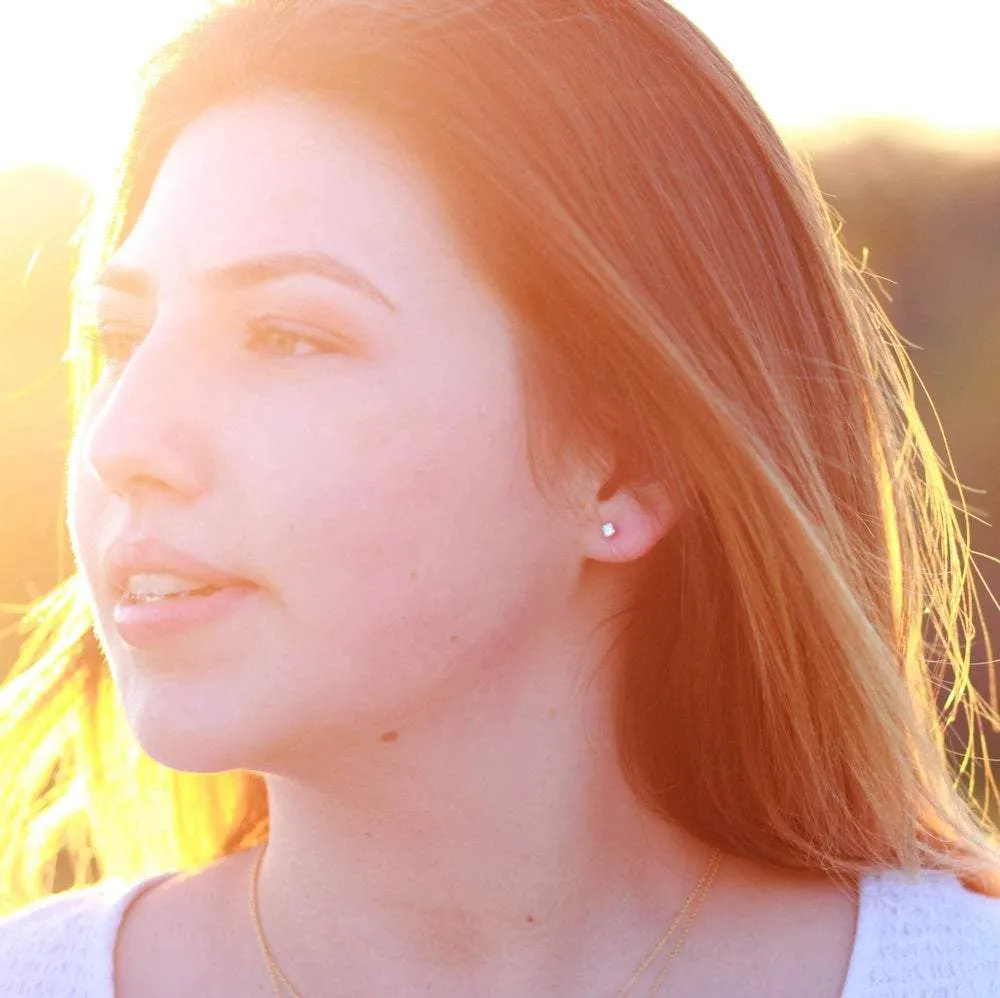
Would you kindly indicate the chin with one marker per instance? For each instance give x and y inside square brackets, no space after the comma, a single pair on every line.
[189,750]
[180,730]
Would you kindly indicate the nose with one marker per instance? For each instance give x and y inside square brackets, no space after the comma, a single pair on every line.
[147,436]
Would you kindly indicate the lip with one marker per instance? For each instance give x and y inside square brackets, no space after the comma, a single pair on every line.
[145,624]
[127,556]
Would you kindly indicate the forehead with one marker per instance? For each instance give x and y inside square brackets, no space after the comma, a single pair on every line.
[282,174]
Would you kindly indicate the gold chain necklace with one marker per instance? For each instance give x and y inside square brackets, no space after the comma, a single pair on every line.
[687,914]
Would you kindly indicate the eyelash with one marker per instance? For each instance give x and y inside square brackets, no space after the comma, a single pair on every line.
[104,337]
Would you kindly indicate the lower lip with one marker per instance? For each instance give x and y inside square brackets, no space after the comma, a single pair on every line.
[145,624]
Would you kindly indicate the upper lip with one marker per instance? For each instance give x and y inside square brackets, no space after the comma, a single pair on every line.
[126,557]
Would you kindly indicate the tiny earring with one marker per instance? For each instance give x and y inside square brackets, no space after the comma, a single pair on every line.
[609,529]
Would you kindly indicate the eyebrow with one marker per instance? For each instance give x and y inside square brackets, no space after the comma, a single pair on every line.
[248,272]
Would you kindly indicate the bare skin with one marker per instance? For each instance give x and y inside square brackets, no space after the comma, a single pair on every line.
[422,669]
[760,934]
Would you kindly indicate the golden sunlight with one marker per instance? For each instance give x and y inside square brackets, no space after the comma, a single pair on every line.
[818,64]
[67,68]
[67,72]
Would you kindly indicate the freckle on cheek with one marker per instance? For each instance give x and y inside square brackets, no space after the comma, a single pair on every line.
[389,736]
[453,638]
[552,712]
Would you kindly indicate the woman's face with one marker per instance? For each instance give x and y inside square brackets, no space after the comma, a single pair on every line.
[311,392]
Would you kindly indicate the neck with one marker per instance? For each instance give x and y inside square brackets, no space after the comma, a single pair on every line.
[498,843]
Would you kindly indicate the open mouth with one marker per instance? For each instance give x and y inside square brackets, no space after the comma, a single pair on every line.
[132,599]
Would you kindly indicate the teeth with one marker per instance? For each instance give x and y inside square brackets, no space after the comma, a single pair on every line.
[157,585]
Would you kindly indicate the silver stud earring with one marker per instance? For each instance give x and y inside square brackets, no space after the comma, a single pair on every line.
[609,529]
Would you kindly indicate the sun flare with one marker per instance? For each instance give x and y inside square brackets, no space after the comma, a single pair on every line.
[67,68]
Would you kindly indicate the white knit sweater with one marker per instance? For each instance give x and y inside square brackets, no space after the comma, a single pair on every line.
[926,938]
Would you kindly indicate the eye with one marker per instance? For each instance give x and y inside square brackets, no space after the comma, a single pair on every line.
[282,341]
[114,342]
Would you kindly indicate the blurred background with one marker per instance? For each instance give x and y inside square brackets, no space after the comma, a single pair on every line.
[895,104]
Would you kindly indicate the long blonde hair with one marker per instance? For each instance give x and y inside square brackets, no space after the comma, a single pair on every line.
[799,642]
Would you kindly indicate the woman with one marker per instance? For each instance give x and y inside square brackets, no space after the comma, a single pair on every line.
[515,562]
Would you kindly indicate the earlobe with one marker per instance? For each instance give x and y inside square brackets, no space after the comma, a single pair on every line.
[631,522]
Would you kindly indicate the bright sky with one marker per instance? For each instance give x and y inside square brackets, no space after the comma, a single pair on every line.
[66,66]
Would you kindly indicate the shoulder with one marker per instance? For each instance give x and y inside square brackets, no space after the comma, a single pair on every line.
[63,946]
[925,935]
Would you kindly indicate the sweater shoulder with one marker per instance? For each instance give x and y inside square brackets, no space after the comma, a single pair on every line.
[63,946]
[924,936]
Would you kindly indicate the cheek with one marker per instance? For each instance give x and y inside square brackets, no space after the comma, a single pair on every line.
[396,500]
[410,531]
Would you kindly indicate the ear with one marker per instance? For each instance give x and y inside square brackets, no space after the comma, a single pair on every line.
[640,516]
